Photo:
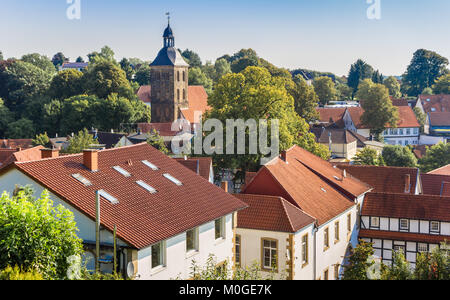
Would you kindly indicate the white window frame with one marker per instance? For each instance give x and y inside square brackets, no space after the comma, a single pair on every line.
[196,241]
[373,223]
[438,226]
[222,232]
[402,227]
[162,258]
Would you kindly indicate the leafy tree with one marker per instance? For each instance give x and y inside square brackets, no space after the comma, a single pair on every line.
[425,67]
[421,117]
[244,62]
[368,157]
[305,98]
[42,140]
[143,75]
[58,59]
[255,94]
[20,129]
[442,85]
[343,92]
[359,262]
[80,112]
[104,78]
[40,61]
[273,70]
[427,91]
[79,59]
[399,270]
[192,58]
[378,108]
[17,273]
[198,77]
[66,84]
[6,117]
[81,141]
[37,235]
[436,157]
[398,156]
[359,71]
[434,265]
[222,67]
[52,116]
[325,89]
[127,68]
[156,141]
[393,86]
[377,77]
[106,54]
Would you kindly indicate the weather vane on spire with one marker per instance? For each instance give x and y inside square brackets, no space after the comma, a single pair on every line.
[168,17]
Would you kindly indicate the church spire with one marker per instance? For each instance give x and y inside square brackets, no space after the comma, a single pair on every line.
[169,39]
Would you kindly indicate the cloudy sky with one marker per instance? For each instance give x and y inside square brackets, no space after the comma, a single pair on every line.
[324,35]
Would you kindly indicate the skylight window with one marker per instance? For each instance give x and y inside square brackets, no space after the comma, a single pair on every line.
[122,171]
[108,197]
[82,179]
[173,179]
[146,186]
[150,165]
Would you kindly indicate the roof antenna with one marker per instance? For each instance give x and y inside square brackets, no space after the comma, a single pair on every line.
[168,18]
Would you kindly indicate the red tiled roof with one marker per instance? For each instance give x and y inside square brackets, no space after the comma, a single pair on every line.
[163,129]
[142,218]
[420,150]
[383,179]
[445,170]
[440,103]
[11,156]
[433,184]
[144,93]
[419,207]
[307,182]
[272,214]
[331,115]
[407,118]
[199,165]
[5,154]
[439,118]
[400,102]
[403,236]
[16,143]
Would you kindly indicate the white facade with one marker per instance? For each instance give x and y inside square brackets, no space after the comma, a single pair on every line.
[402,136]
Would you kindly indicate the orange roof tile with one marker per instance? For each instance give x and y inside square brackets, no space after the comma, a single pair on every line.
[30,154]
[445,170]
[199,165]
[16,143]
[435,184]
[440,103]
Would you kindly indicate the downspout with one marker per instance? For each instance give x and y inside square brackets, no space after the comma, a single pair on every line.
[315,230]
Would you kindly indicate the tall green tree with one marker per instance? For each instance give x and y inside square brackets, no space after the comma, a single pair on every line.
[359,262]
[378,108]
[436,157]
[192,58]
[222,67]
[105,54]
[421,118]
[127,68]
[104,78]
[425,67]
[80,141]
[66,84]
[58,59]
[20,129]
[198,77]
[368,157]
[156,141]
[325,89]
[40,61]
[37,234]
[6,117]
[442,85]
[359,71]
[42,140]
[399,156]
[305,98]
[393,86]
[143,75]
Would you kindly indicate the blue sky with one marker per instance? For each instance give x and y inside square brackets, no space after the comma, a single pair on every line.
[324,35]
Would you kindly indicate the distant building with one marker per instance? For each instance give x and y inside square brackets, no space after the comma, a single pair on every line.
[437,110]
[80,66]
[9,156]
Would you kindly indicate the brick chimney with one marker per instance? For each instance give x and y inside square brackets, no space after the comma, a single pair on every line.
[49,153]
[90,159]
[224,186]
[407,183]
[284,156]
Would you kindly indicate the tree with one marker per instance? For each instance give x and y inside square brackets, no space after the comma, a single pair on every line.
[378,108]
[192,58]
[79,59]
[305,98]
[343,92]
[222,67]
[244,62]
[127,68]
[393,86]
[81,141]
[58,59]
[156,141]
[427,91]
[398,156]
[421,118]
[434,265]
[143,75]
[436,157]
[377,77]
[359,71]
[106,55]
[6,117]
[20,129]
[325,89]
[442,85]
[1,55]
[40,61]
[37,235]
[17,273]
[255,95]
[425,67]
[198,77]
[359,262]
[42,140]
[66,84]
[368,157]
[80,112]
[104,78]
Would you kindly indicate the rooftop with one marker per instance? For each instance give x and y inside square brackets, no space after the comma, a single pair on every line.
[435,184]
[445,170]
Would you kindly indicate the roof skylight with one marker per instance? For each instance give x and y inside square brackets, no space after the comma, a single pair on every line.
[122,171]
[108,197]
[82,179]
[173,179]
[146,186]
[150,165]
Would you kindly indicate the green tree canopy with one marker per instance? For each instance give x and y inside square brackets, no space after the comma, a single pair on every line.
[421,117]
[436,157]
[126,66]
[192,58]
[398,156]
[143,75]
[40,61]
[425,67]
[156,141]
[442,85]
[359,262]
[222,67]
[393,86]
[104,78]
[368,157]
[66,84]
[42,140]
[6,117]
[20,129]
[105,54]
[58,59]
[305,98]
[80,141]
[198,77]
[359,71]
[35,234]
[325,89]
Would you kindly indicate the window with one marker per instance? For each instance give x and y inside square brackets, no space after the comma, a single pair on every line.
[150,189]
[238,250]
[349,223]
[108,197]
[434,226]
[305,254]
[399,249]
[404,224]
[220,228]
[150,165]
[178,76]
[269,254]
[82,179]
[122,171]
[178,94]
[336,272]
[192,240]
[416,130]
[422,248]
[158,253]
[325,274]
[336,232]
[401,131]
[173,179]
[375,222]
[326,239]
[408,131]
[184,94]
[184,76]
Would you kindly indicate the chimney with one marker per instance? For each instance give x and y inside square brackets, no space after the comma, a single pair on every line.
[224,186]
[344,174]
[284,156]
[49,153]
[90,159]
[407,183]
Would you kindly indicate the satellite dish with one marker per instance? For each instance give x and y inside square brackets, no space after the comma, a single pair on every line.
[130,270]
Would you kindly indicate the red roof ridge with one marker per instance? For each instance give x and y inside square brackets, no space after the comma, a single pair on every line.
[284,202]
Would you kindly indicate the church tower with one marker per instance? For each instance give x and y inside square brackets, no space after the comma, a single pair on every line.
[169,81]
